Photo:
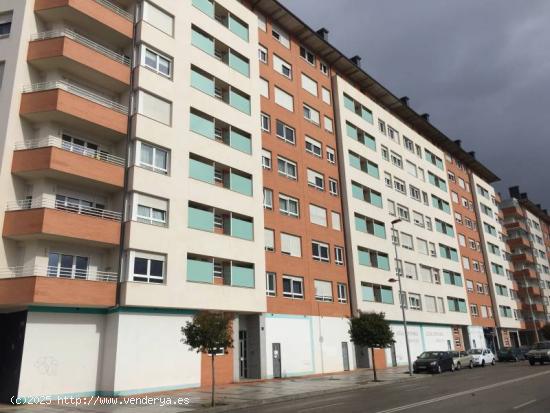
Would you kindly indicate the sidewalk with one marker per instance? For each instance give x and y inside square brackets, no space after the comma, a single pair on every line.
[246,394]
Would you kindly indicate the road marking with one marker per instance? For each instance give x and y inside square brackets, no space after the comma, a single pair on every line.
[462,393]
[319,407]
[519,406]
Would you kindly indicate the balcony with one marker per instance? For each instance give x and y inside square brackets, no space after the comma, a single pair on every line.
[519,242]
[72,105]
[50,219]
[76,54]
[536,307]
[52,157]
[523,257]
[528,273]
[23,286]
[110,21]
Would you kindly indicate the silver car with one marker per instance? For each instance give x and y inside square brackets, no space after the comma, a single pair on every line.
[462,359]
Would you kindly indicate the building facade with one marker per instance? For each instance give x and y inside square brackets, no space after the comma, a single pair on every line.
[159,159]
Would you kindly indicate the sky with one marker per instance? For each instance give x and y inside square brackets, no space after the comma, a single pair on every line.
[481,69]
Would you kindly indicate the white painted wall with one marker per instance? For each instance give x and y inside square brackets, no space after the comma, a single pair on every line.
[421,338]
[477,338]
[328,334]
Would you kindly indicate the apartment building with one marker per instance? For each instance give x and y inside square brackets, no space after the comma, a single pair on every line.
[528,239]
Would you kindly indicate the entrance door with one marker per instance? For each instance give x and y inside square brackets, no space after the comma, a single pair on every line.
[276,360]
[345,355]
[243,368]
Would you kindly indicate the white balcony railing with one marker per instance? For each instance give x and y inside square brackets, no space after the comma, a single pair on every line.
[56,272]
[118,10]
[40,202]
[57,142]
[84,41]
[78,91]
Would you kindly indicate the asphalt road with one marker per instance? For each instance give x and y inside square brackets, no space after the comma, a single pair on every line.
[506,387]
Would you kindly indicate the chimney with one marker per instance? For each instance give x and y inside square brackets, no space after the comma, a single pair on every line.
[323,33]
[459,143]
[514,191]
[425,116]
[472,154]
[405,100]
[356,60]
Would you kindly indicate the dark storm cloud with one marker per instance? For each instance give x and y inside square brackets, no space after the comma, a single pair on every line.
[480,68]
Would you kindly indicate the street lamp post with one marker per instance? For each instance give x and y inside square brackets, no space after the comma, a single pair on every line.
[401,303]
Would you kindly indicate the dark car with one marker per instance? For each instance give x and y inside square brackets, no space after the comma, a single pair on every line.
[434,362]
[539,353]
[512,353]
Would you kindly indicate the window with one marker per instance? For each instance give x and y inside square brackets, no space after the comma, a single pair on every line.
[342,293]
[441,204]
[316,180]
[473,310]
[372,258]
[151,157]
[264,87]
[154,107]
[158,18]
[328,124]
[333,186]
[466,263]
[456,304]
[411,168]
[284,99]
[323,290]
[385,153]
[396,159]
[410,271]
[377,293]
[309,84]
[293,287]
[415,302]
[282,67]
[418,219]
[268,198]
[270,284]
[452,278]
[399,185]
[382,126]
[388,180]
[285,132]
[287,168]
[484,312]
[444,228]
[67,266]
[324,68]
[307,55]
[339,255]
[288,205]
[280,36]
[157,62]
[335,218]
[146,267]
[408,144]
[437,181]
[430,302]
[448,252]
[325,94]
[320,251]
[265,122]
[314,147]
[266,159]
[317,215]
[150,210]
[407,241]
[461,240]
[311,114]
[393,134]
[269,239]
[403,212]
[414,192]
[262,54]
[291,245]
[331,155]
[2,66]
[429,275]
[433,159]
[422,246]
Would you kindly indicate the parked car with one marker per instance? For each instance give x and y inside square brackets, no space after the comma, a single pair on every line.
[482,356]
[462,359]
[539,353]
[434,362]
[512,353]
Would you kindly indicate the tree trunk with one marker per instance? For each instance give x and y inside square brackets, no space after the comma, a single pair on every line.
[213,403]
[373,364]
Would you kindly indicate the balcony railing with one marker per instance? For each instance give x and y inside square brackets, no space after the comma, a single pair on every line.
[125,60]
[23,204]
[118,10]
[58,272]
[55,141]
[78,91]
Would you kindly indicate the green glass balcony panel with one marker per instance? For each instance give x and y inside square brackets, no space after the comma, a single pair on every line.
[364,257]
[462,306]
[240,141]
[447,277]
[202,125]
[355,161]
[451,304]
[439,164]
[458,280]
[349,103]
[439,226]
[379,230]
[370,142]
[454,255]
[206,6]
[442,185]
[357,191]
[200,271]
[241,184]
[202,82]
[202,171]
[376,199]
[446,208]
[431,178]
[238,27]
[242,276]
[372,170]
[201,219]
[239,101]
[238,63]
[386,295]
[367,292]
[383,262]
[351,131]
[360,224]
[366,114]
[242,229]
[202,41]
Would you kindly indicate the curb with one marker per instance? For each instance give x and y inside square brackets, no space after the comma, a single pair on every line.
[300,396]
